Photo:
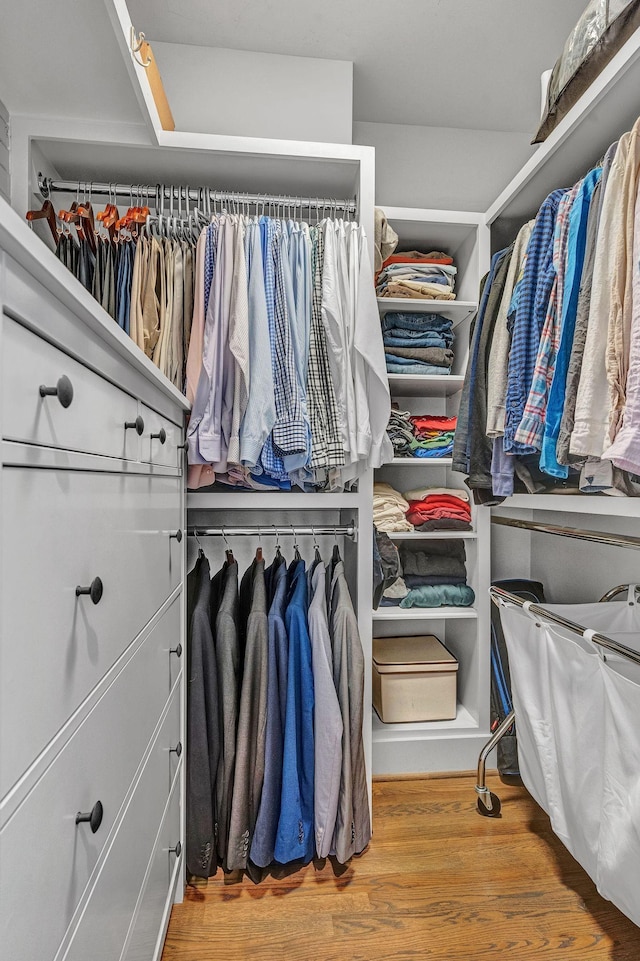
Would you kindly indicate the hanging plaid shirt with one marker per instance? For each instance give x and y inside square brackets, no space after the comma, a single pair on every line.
[210,260]
[533,300]
[327,449]
[531,428]
[270,463]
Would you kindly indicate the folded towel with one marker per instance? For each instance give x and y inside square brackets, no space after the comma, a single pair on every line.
[443,595]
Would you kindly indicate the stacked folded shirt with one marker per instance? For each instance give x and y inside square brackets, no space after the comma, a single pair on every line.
[434,577]
[426,436]
[438,509]
[417,343]
[389,509]
[412,275]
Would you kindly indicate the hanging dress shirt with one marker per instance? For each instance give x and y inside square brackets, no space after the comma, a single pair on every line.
[295,836]
[239,340]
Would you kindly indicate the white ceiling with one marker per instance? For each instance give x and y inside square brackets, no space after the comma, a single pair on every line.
[444,63]
[447,63]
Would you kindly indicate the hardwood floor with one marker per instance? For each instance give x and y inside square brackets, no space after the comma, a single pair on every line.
[438,882]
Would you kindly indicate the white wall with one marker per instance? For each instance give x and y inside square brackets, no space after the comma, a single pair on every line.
[441,167]
[236,92]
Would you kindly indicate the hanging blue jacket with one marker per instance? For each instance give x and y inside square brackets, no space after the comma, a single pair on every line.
[295,837]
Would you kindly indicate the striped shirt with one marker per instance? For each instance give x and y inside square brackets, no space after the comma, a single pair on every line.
[533,300]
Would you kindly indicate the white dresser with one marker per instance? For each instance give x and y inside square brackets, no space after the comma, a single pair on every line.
[91,623]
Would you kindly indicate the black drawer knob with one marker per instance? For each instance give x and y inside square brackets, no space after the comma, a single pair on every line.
[184,447]
[63,391]
[94,816]
[94,590]
[177,750]
[177,850]
[177,535]
[161,436]
[137,425]
[176,650]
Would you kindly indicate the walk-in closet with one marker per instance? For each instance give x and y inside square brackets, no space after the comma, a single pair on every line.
[320,480]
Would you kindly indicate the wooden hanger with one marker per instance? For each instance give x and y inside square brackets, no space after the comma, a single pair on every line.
[47,213]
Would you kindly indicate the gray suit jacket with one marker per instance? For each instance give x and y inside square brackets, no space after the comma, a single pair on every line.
[228,661]
[250,743]
[353,823]
[327,719]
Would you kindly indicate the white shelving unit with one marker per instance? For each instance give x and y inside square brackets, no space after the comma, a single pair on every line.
[446,745]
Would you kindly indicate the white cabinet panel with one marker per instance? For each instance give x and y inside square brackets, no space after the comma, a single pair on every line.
[97,764]
[107,916]
[94,420]
[62,530]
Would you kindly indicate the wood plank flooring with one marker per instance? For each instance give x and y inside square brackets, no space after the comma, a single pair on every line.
[438,883]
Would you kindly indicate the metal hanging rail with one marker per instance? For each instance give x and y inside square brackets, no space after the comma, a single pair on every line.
[500,597]
[595,537]
[269,530]
[171,193]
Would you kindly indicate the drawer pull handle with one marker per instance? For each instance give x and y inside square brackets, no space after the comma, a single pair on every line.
[94,816]
[177,750]
[177,536]
[176,650]
[161,436]
[177,850]
[184,447]
[63,391]
[137,425]
[94,590]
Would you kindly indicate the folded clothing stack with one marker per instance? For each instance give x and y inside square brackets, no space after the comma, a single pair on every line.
[417,343]
[434,577]
[412,275]
[425,435]
[389,509]
[438,509]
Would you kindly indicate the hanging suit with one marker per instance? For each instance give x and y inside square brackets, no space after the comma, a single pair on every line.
[250,743]
[353,823]
[228,662]
[295,837]
[203,729]
[264,838]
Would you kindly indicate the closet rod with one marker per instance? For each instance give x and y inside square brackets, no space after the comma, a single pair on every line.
[270,531]
[596,537]
[501,598]
[161,192]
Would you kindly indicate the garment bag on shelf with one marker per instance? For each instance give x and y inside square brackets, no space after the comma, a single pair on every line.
[579,751]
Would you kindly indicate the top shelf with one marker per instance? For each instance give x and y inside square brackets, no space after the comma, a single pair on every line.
[456,310]
[608,108]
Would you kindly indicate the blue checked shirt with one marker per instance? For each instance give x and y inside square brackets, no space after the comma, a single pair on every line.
[531,312]
[211,245]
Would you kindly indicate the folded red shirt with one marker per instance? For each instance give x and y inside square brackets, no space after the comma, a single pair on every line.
[437,422]
[415,257]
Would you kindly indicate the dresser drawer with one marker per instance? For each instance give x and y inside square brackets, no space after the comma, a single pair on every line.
[160,440]
[105,921]
[97,764]
[142,940]
[93,421]
[62,530]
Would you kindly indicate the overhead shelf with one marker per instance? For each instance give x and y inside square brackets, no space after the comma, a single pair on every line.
[424,613]
[425,385]
[610,106]
[574,504]
[455,310]
[431,535]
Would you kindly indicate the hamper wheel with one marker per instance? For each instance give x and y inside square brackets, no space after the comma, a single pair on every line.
[495,808]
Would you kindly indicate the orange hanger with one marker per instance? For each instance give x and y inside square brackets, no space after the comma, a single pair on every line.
[47,213]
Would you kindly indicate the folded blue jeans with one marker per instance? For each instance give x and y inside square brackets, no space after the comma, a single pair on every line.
[408,320]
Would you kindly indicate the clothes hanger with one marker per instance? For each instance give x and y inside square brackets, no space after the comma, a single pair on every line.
[278,552]
[46,212]
[296,554]
[201,552]
[228,552]
[316,546]
[259,547]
